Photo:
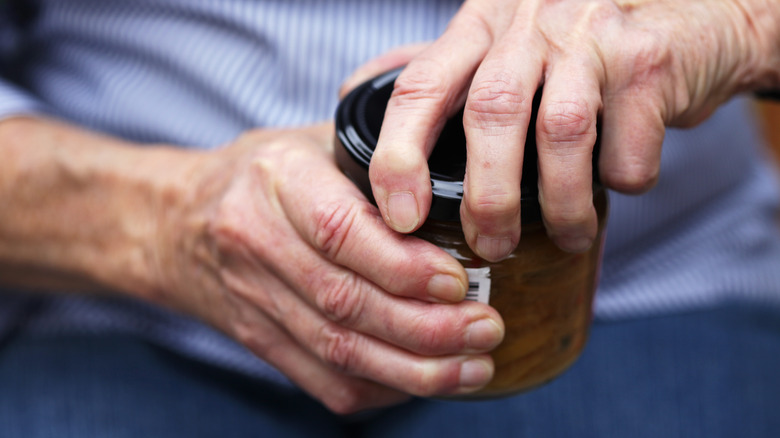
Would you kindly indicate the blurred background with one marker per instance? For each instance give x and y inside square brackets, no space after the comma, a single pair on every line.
[770,115]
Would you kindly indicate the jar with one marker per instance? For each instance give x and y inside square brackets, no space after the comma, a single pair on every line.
[543,294]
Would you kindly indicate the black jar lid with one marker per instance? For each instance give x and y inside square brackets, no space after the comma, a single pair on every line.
[358,121]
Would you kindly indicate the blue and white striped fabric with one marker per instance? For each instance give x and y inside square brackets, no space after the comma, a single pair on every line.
[197,73]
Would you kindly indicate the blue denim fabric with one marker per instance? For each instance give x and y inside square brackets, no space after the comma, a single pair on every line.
[120,386]
[704,374]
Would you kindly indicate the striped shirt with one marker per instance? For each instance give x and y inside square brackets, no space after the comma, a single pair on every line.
[196,73]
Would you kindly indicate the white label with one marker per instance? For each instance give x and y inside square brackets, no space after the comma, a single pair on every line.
[479,285]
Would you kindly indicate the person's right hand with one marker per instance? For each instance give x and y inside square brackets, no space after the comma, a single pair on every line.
[269,242]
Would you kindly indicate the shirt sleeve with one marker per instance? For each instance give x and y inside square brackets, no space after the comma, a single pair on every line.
[15,101]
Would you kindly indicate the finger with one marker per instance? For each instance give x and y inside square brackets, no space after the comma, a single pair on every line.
[342,349]
[393,59]
[331,214]
[566,134]
[342,394]
[352,300]
[631,140]
[355,303]
[423,328]
[354,354]
[495,120]
[429,90]
[338,223]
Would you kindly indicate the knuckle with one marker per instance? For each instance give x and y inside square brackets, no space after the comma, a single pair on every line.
[419,84]
[258,338]
[227,226]
[391,164]
[598,12]
[563,123]
[496,102]
[567,215]
[341,300]
[339,348]
[473,20]
[345,400]
[650,52]
[233,226]
[632,178]
[279,154]
[334,223]
[434,378]
[650,60]
[489,203]
[430,336]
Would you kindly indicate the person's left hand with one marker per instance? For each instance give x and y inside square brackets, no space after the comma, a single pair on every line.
[633,66]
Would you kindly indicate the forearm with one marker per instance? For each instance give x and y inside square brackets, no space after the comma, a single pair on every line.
[80,211]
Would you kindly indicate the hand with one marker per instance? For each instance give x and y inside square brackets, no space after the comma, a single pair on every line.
[633,66]
[273,245]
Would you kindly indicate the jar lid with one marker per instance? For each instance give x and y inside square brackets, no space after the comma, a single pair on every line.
[359,118]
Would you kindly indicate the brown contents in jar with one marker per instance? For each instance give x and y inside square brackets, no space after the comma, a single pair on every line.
[544,295]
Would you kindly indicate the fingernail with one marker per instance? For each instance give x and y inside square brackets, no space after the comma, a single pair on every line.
[474,374]
[446,288]
[493,248]
[574,244]
[402,211]
[484,334]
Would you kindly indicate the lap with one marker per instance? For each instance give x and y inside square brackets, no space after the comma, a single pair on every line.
[703,374]
[710,373]
[119,386]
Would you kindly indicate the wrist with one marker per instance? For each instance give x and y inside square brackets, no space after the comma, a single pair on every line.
[184,198]
[153,200]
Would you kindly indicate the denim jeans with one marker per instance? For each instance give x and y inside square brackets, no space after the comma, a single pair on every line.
[713,373]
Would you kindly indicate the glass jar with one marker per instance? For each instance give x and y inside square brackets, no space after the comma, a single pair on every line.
[543,294]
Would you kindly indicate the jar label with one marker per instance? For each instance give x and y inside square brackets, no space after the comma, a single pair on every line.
[479,285]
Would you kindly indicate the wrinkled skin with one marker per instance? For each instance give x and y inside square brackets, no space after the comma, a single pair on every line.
[266,240]
[290,258]
[635,67]
[312,279]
